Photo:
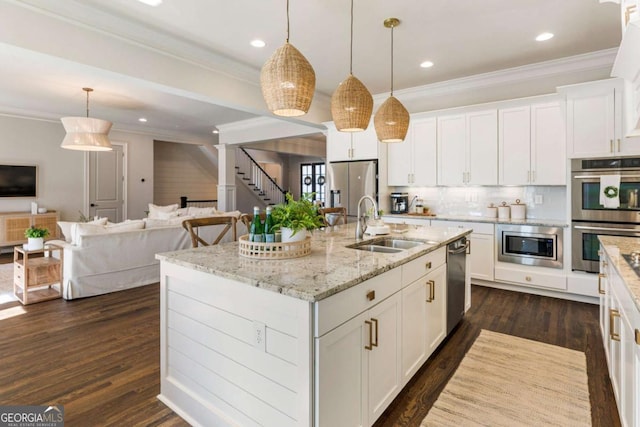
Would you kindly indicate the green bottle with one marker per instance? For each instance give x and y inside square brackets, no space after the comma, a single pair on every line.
[269,234]
[256,232]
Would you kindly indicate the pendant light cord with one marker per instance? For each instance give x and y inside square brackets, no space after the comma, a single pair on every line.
[351,46]
[392,59]
[287,21]
[87,104]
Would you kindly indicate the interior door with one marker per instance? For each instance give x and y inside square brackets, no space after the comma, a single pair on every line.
[106,184]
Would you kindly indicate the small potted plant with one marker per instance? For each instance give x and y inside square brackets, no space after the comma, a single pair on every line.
[295,217]
[35,237]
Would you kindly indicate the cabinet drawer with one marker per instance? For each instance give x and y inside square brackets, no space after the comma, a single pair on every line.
[538,279]
[478,227]
[417,268]
[338,308]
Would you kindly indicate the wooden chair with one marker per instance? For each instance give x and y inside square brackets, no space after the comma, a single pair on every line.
[336,211]
[192,225]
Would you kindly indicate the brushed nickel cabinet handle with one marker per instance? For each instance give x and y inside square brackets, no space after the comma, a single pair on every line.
[611,145]
[638,336]
[432,290]
[375,323]
[618,144]
[600,277]
[370,346]
[371,295]
[613,313]
[428,265]
[468,247]
[527,278]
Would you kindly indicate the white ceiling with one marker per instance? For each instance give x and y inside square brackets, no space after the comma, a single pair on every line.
[462,38]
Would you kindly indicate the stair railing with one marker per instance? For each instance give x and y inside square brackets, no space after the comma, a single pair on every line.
[256,177]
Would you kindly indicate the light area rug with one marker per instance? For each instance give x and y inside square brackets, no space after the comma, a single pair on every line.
[510,381]
[6,283]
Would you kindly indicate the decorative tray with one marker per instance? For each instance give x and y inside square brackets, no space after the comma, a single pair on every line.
[277,250]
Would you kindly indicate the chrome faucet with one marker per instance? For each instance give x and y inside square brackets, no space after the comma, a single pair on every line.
[361,225]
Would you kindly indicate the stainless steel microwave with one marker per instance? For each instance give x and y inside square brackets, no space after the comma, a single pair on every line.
[530,245]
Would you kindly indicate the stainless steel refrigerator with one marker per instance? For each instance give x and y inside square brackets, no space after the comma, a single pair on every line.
[349,181]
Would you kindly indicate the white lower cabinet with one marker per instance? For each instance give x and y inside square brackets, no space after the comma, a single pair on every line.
[360,366]
[369,341]
[481,249]
[424,318]
[619,321]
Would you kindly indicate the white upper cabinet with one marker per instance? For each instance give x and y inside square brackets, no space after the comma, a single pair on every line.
[468,148]
[452,166]
[594,120]
[514,146]
[530,141]
[413,161]
[343,146]
[548,145]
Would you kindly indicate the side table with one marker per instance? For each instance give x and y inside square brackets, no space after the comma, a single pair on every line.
[37,274]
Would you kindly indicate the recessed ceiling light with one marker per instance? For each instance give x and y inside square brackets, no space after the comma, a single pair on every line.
[427,64]
[151,2]
[142,120]
[258,43]
[544,36]
[216,131]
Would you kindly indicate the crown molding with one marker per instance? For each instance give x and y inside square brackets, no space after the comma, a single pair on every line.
[571,64]
[94,17]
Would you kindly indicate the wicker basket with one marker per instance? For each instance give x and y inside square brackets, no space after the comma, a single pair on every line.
[278,250]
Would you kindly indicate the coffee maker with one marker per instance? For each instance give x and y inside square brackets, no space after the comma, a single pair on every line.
[399,203]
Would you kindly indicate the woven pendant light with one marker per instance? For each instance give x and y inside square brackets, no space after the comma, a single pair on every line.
[351,103]
[392,119]
[288,80]
[86,133]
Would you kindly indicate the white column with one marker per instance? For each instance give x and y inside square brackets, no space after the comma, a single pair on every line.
[226,177]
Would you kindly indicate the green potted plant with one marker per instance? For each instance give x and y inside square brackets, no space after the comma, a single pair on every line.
[295,217]
[35,237]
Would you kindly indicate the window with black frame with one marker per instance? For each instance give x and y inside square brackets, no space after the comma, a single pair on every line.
[312,180]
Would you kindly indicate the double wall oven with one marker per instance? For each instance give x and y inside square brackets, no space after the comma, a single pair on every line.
[590,218]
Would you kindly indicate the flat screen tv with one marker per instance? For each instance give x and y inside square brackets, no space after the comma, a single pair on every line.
[18,181]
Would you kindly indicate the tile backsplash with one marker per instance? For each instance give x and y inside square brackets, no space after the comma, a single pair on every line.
[473,200]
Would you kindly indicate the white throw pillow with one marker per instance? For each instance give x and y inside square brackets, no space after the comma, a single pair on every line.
[156,212]
[171,222]
[67,229]
[79,229]
[201,212]
[128,225]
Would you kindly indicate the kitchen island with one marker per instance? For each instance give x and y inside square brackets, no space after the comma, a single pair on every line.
[619,287]
[326,339]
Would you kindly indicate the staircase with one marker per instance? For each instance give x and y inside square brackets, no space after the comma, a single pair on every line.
[250,172]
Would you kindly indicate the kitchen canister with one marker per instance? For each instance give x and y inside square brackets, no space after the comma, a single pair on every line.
[491,211]
[504,211]
[518,210]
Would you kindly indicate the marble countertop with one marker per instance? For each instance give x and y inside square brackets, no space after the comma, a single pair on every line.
[330,268]
[616,247]
[473,218]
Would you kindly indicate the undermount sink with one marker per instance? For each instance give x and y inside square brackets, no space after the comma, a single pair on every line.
[386,245]
[376,248]
[397,243]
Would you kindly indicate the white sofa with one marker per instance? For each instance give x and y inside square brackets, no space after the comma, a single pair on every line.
[96,264]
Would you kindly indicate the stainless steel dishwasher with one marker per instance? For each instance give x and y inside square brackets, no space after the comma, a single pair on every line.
[456,269]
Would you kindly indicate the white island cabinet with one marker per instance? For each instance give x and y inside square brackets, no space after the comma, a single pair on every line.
[323,340]
[619,288]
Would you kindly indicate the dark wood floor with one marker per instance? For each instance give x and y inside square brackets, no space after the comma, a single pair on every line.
[99,356]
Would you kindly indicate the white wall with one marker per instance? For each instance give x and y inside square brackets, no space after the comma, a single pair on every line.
[61,172]
[182,170]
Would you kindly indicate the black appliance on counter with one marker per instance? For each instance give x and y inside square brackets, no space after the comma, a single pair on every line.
[399,203]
